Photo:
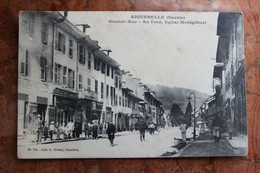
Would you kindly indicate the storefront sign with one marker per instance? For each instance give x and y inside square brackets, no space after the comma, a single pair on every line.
[63,93]
[42,100]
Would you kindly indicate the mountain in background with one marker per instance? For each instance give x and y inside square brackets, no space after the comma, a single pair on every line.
[170,95]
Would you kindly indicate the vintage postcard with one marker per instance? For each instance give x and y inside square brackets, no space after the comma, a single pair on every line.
[131,85]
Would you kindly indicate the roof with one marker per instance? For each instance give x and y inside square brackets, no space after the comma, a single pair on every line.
[105,58]
[134,97]
[70,28]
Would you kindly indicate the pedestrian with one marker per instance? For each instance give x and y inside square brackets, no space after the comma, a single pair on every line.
[104,129]
[111,130]
[216,128]
[39,128]
[229,128]
[77,130]
[51,129]
[95,130]
[70,129]
[86,129]
[45,131]
[183,129]
[142,128]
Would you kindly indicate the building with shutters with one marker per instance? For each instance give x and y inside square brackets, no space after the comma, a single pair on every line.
[35,69]
[65,76]
[229,100]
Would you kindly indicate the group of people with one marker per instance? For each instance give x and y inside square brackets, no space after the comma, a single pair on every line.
[72,130]
[217,128]
[56,131]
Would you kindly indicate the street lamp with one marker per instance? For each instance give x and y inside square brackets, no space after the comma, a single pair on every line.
[194,130]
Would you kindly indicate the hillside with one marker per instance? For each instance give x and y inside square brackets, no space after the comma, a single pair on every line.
[170,95]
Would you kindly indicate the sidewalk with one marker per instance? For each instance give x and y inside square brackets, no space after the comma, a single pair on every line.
[30,138]
[204,146]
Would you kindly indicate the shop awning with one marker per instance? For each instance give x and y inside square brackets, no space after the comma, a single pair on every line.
[218,71]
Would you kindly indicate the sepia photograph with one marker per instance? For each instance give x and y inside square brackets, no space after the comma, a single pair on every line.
[131,85]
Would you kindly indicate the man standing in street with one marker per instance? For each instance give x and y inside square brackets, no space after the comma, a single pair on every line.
[216,128]
[95,130]
[111,129]
[142,128]
[51,129]
[229,128]
[183,129]
[39,129]
[70,129]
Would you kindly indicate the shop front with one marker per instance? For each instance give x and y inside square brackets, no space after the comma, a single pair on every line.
[65,106]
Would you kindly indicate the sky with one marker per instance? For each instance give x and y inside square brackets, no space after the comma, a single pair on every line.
[181,55]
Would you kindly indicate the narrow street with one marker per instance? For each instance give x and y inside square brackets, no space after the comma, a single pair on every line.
[126,144]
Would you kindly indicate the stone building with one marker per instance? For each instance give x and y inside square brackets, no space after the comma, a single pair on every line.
[65,76]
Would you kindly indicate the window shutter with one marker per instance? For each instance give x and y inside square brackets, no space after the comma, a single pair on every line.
[44,32]
[22,68]
[31,23]
[26,62]
[73,79]
[64,44]
[56,40]
[84,55]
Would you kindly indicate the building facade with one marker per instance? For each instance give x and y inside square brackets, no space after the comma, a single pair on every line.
[65,76]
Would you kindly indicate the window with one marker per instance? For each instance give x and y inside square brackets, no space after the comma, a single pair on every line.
[108,70]
[107,90]
[43,64]
[71,78]
[116,100]
[24,64]
[96,64]
[120,84]
[103,68]
[96,86]
[119,100]
[60,42]
[123,102]
[126,101]
[81,54]
[102,90]
[116,80]
[59,79]
[112,72]
[45,27]
[89,84]
[111,94]
[70,48]
[80,82]
[56,73]
[31,23]
[89,60]
[64,76]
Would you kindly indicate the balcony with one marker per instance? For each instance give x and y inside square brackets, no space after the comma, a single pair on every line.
[88,94]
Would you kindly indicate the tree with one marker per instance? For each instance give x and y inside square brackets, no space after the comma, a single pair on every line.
[176,115]
[188,113]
